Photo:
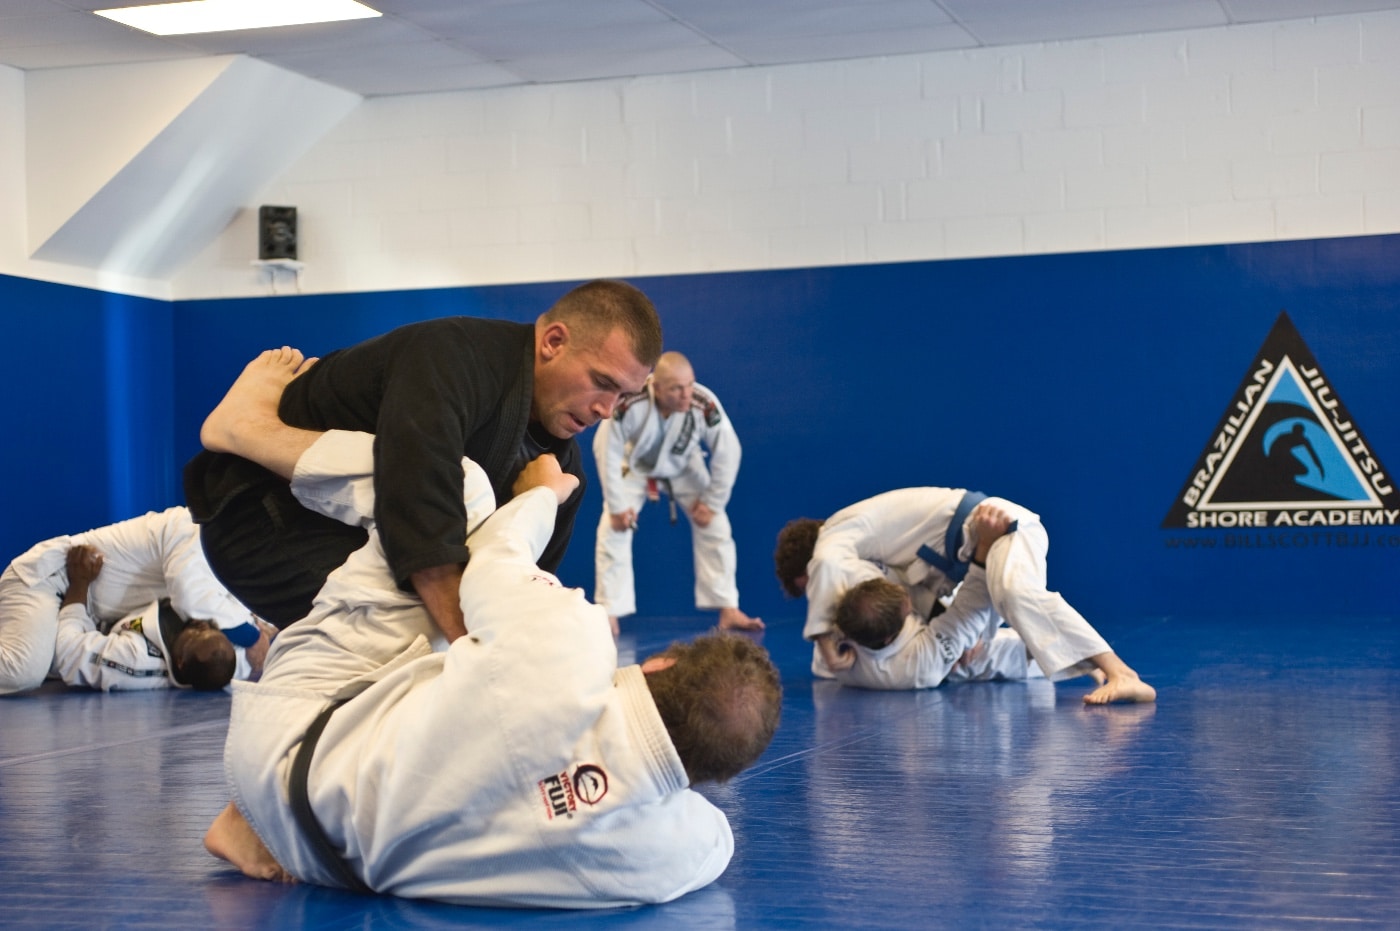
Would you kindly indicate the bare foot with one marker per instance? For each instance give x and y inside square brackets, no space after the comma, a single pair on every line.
[1121,687]
[253,399]
[734,619]
[1098,675]
[232,838]
[616,630]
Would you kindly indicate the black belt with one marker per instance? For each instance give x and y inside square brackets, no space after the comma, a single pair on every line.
[321,846]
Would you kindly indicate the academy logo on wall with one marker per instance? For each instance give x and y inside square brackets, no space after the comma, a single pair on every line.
[1286,453]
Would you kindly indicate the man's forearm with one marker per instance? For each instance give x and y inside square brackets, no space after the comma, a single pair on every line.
[439,587]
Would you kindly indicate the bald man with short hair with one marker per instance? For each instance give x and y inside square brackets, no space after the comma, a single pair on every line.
[654,444]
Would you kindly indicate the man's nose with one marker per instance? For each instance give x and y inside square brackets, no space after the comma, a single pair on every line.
[603,407]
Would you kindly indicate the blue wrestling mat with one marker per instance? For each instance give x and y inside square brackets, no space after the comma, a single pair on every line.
[1262,791]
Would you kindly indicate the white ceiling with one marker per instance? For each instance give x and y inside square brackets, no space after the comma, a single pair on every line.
[421,46]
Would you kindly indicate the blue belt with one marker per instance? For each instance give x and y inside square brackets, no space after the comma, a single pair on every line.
[950,565]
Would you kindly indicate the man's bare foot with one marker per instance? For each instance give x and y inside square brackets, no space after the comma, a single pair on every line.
[616,630]
[734,619]
[232,838]
[252,401]
[1121,687]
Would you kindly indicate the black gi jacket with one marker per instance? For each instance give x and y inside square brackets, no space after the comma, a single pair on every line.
[431,392]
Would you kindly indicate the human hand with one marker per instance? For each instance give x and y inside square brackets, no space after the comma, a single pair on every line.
[989,523]
[970,655]
[623,520]
[545,471]
[84,565]
[838,654]
[257,653]
[701,514]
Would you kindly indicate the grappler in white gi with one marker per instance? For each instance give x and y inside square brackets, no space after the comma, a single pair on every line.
[138,561]
[925,539]
[520,766]
[892,647]
[654,438]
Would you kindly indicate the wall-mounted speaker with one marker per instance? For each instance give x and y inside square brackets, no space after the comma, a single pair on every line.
[277,233]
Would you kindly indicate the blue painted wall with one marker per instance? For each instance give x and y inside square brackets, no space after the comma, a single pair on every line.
[88,410]
[1083,386]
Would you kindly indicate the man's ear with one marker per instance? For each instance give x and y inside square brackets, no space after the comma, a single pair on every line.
[658,663]
[554,339]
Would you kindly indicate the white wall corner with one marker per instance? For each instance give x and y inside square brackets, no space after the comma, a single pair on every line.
[134,169]
[12,196]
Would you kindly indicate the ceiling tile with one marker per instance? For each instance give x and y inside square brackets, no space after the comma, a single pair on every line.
[442,44]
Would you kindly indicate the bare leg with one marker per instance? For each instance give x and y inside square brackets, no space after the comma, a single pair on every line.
[1123,684]
[734,619]
[232,838]
[245,422]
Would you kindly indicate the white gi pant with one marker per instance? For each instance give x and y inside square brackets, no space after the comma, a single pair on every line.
[28,632]
[1057,636]
[715,559]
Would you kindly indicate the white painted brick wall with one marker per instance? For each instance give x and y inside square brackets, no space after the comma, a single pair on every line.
[1380,127]
[1382,211]
[1110,106]
[1063,67]
[1249,133]
[1144,227]
[1319,215]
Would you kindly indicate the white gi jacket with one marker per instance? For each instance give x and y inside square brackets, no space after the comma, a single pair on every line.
[518,767]
[637,444]
[626,442]
[144,559]
[881,536]
[133,654]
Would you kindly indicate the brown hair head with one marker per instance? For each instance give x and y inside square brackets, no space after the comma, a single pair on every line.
[796,541]
[720,701]
[594,309]
[872,613]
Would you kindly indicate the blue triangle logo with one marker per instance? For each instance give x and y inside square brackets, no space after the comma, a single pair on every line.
[1286,453]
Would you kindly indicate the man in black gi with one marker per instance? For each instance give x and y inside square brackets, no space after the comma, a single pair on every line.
[498,392]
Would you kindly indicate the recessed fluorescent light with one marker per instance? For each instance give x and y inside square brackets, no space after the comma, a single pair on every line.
[175,19]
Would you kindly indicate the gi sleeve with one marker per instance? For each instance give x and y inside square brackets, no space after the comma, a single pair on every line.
[725,454]
[837,565]
[571,461]
[939,646]
[609,452]
[525,614]
[432,400]
[335,478]
[190,584]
